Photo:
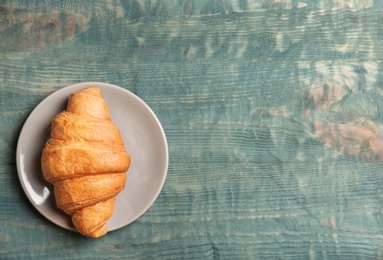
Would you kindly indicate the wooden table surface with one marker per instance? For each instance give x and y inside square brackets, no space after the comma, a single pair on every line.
[273,112]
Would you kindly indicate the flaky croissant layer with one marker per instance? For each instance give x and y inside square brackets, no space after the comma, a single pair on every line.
[86,162]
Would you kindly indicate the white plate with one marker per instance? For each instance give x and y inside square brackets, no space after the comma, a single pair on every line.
[144,139]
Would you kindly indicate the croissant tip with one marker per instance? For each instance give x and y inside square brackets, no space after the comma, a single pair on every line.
[102,231]
[93,90]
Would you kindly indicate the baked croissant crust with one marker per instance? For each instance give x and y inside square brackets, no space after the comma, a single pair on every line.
[86,162]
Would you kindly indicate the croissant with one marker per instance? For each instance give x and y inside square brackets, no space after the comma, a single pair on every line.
[86,162]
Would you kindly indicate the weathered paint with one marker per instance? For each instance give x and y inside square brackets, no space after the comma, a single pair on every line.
[272,110]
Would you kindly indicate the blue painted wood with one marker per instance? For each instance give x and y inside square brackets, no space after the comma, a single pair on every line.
[272,110]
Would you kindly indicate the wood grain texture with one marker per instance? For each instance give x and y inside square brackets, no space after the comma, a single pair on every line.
[272,111]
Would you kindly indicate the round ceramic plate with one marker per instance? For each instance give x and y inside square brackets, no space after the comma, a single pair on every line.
[143,137]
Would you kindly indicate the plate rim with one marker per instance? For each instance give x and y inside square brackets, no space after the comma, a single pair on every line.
[84,85]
